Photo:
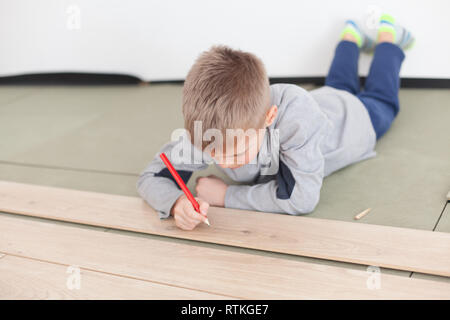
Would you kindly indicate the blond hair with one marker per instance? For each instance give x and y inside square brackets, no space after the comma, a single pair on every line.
[226,89]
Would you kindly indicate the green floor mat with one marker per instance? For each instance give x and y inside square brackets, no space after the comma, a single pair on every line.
[118,129]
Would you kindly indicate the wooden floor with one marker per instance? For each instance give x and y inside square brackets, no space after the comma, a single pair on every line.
[390,247]
[51,136]
[179,269]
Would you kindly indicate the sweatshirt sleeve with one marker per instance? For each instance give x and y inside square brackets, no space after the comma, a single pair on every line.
[295,189]
[156,184]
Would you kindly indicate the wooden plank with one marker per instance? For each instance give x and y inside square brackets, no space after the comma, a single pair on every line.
[25,279]
[215,271]
[391,247]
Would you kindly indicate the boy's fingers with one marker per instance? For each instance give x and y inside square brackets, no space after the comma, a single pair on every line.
[179,218]
[184,216]
[188,226]
[185,223]
[191,221]
[185,226]
[180,224]
[191,214]
[204,206]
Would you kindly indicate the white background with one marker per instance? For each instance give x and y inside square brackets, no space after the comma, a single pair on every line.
[159,40]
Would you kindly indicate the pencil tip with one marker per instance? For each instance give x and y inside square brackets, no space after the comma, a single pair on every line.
[207,222]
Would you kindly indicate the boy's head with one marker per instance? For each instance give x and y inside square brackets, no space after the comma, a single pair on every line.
[228,89]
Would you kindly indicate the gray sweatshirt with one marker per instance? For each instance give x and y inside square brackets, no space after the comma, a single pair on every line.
[314,134]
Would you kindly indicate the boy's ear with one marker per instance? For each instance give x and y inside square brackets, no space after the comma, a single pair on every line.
[271,115]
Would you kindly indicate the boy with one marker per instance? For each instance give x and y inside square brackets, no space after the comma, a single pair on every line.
[307,136]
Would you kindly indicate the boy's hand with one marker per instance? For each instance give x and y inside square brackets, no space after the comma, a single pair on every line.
[185,216]
[212,189]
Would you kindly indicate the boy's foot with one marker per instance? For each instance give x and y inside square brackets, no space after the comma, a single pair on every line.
[352,32]
[388,31]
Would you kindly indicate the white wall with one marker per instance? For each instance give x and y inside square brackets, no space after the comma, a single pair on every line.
[159,40]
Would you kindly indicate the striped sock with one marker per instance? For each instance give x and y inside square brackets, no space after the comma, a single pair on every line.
[402,37]
[352,28]
[387,24]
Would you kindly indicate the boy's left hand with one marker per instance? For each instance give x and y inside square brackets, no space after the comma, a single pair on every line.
[212,189]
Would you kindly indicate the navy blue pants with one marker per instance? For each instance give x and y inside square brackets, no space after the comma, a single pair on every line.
[380,94]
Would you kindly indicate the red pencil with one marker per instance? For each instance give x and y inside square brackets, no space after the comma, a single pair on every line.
[180,182]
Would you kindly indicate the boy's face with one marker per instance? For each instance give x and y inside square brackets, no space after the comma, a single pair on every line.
[242,147]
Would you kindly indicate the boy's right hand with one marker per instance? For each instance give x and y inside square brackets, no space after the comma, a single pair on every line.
[185,216]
